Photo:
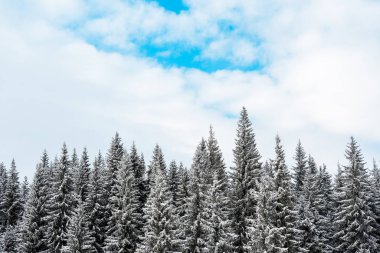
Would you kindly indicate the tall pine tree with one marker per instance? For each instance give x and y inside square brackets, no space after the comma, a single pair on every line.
[299,169]
[245,177]
[284,234]
[13,201]
[34,235]
[125,237]
[355,223]
[158,231]
[63,204]
[83,182]
[217,199]
[196,213]
[114,157]
[96,204]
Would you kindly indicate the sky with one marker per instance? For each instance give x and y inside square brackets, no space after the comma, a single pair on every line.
[163,71]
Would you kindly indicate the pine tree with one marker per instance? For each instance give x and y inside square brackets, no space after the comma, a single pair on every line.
[34,235]
[217,199]
[51,175]
[196,213]
[307,211]
[96,204]
[79,237]
[138,167]
[126,235]
[145,183]
[13,202]
[180,211]
[283,236]
[114,157]
[157,163]
[74,170]
[355,221]
[130,217]
[338,198]
[217,223]
[24,191]
[83,182]
[174,183]
[245,177]
[3,187]
[63,204]
[324,208]
[264,235]
[299,169]
[183,190]
[216,161]
[158,234]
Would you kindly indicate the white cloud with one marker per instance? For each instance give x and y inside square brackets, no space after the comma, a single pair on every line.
[237,51]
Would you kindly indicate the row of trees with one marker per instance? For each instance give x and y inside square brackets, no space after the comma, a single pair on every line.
[120,205]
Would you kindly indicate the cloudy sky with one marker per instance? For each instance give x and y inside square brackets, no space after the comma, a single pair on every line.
[163,71]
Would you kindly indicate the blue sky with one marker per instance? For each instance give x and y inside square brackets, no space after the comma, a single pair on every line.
[163,71]
[176,51]
[175,6]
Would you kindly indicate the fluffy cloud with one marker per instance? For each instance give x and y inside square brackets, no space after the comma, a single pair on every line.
[319,81]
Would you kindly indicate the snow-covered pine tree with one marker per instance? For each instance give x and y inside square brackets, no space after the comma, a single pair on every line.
[216,162]
[307,216]
[51,172]
[126,235]
[80,238]
[355,223]
[299,169]
[217,199]
[245,177]
[283,236]
[180,211]
[3,187]
[13,202]
[158,231]
[305,223]
[35,224]
[62,204]
[24,192]
[96,204]
[196,213]
[74,159]
[157,163]
[174,183]
[114,157]
[138,167]
[264,236]
[130,224]
[83,174]
[338,198]
[183,190]
[74,170]
[217,222]
[324,208]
